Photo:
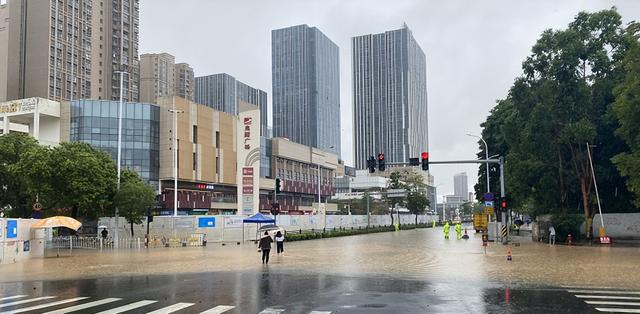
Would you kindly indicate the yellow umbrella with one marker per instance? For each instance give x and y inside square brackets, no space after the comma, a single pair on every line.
[58,221]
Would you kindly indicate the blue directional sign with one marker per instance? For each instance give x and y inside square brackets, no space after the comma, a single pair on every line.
[12,229]
[207,222]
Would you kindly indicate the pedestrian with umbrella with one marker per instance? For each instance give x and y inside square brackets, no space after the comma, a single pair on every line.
[265,247]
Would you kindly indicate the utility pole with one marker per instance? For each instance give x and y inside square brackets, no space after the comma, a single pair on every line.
[175,112]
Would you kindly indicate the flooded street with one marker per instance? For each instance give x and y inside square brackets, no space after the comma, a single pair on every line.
[412,271]
[421,254]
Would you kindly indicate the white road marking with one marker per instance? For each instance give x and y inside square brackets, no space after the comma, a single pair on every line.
[604,291]
[320,312]
[617,297]
[271,311]
[128,307]
[613,303]
[42,306]
[617,310]
[83,306]
[24,301]
[13,297]
[171,308]
[218,309]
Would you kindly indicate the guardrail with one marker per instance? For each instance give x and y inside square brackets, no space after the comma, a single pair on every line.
[99,243]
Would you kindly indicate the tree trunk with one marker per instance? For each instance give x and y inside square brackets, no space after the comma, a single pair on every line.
[391,214]
[416,219]
[132,229]
[585,203]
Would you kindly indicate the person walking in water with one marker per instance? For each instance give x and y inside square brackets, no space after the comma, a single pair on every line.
[265,247]
[279,242]
[446,230]
[458,231]
[552,235]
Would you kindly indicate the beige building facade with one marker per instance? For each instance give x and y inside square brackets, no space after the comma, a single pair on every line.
[64,50]
[206,156]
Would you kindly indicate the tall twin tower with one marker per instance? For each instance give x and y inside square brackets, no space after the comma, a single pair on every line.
[389,92]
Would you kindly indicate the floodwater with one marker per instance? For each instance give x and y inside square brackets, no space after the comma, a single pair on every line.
[421,254]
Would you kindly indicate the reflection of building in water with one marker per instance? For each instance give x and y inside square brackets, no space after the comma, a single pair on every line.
[37,117]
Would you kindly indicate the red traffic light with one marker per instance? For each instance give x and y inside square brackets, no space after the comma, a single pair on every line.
[425,155]
[503,204]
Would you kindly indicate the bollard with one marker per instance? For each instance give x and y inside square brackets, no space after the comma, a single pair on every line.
[509,258]
[569,239]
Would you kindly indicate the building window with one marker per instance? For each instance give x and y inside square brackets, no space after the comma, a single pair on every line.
[217,139]
[218,165]
[195,161]
[195,134]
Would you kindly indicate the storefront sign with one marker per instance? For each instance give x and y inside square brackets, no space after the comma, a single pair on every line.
[248,156]
[23,105]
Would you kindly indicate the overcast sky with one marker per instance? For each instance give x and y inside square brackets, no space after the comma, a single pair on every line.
[474,51]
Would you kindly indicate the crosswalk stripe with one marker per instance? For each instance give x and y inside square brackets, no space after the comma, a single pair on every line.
[604,291]
[83,306]
[612,303]
[617,310]
[617,297]
[13,297]
[42,306]
[319,312]
[218,309]
[128,307]
[271,311]
[171,308]
[24,301]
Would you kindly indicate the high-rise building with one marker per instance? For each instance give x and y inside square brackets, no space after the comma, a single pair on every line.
[223,92]
[68,50]
[460,187]
[157,72]
[184,81]
[306,87]
[160,77]
[389,96]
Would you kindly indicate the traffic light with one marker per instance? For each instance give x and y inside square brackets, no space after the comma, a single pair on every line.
[275,209]
[425,161]
[503,203]
[371,164]
[381,164]
[278,187]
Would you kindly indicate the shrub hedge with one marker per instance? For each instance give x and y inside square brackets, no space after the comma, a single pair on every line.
[342,232]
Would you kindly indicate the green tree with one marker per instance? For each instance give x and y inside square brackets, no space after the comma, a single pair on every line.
[416,201]
[15,190]
[553,110]
[134,198]
[82,179]
[627,110]
[395,183]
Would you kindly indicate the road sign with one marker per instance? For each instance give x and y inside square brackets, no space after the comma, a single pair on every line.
[488,203]
[396,193]
[488,210]
[488,196]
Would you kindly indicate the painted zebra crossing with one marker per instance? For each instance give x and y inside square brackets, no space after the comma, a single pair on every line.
[608,300]
[24,303]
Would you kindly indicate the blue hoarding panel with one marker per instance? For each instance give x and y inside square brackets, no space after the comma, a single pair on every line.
[207,222]
[12,229]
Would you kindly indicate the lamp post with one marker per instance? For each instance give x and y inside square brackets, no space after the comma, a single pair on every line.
[486,153]
[119,158]
[175,112]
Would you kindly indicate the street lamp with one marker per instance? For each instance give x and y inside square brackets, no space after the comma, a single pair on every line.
[486,152]
[175,112]
[119,158]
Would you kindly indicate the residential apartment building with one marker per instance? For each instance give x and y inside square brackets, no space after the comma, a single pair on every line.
[389,96]
[224,92]
[306,87]
[160,77]
[65,50]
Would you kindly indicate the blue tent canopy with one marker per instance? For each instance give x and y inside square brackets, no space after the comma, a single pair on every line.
[259,219]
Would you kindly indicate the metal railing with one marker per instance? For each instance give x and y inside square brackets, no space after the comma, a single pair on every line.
[99,243]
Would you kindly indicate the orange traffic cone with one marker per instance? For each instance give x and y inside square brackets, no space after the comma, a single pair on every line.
[509,258]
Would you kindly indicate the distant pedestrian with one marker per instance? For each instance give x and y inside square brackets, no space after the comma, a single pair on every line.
[552,235]
[458,231]
[279,242]
[265,247]
[104,233]
[446,230]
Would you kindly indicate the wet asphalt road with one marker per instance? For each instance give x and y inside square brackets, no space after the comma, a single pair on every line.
[270,292]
